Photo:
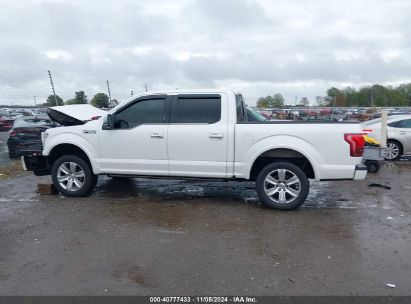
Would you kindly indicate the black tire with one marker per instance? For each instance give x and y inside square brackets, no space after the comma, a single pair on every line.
[395,145]
[89,180]
[301,189]
[372,166]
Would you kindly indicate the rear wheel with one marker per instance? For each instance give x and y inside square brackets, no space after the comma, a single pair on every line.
[393,150]
[72,176]
[282,186]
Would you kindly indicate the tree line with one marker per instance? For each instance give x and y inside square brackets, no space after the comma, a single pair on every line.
[275,101]
[100,100]
[368,96]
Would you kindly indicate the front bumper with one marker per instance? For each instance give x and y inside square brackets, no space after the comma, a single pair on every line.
[360,172]
[37,163]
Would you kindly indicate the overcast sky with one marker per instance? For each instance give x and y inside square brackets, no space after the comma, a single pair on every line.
[258,47]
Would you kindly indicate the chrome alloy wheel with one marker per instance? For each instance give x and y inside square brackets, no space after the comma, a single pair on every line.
[282,186]
[70,176]
[392,151]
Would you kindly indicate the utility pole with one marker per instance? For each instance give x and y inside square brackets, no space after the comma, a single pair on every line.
[145,86]
[108,90]
[35,100]
[335,97]
[131,93]
[52,88]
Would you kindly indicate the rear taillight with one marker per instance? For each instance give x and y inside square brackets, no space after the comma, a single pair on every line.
[367,131]
[13,133]
[356,142]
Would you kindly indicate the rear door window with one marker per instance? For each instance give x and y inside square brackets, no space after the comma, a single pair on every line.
[204,109]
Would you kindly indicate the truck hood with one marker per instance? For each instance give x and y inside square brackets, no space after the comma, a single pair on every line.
[72,115]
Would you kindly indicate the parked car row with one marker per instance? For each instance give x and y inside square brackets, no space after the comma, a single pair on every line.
[336,114]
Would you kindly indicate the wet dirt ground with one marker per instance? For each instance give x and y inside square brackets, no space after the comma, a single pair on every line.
[4,152]
[162,237]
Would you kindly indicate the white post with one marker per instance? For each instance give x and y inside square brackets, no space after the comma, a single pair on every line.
[383,139]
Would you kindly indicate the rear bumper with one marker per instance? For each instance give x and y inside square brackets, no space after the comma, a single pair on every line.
[37,163]
[360,172]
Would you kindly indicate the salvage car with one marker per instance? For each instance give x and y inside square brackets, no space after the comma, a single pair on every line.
[398,135]
[25,136]
[196,135]
[6,122]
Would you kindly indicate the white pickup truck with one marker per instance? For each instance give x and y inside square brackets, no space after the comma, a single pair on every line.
[196,135]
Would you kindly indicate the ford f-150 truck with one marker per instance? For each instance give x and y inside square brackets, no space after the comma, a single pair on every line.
[199,135]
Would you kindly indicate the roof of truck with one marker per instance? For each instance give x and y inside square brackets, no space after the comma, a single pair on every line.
[173,92]
[185,91]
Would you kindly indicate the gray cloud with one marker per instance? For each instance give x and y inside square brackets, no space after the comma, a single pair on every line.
[232,14]
[256,46]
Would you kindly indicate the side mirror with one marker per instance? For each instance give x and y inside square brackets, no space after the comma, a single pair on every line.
[109,122]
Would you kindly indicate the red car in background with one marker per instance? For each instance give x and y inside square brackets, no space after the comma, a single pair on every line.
[324,112]
[6,122]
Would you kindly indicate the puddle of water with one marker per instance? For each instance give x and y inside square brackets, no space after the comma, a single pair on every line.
[5,200]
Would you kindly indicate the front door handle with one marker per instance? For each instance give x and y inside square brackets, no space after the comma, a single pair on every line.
[157,135]
[216,135]
[402,132]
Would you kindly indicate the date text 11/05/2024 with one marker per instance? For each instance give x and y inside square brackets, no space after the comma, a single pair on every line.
[199,299]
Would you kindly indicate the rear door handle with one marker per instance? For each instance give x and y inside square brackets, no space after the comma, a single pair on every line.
[157,135]
[216,135]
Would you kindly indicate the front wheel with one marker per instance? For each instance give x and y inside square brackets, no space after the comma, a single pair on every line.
[282,186]
[72,176]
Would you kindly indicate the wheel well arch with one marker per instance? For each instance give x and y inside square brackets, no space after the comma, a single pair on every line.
[282,154]
[68,149]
